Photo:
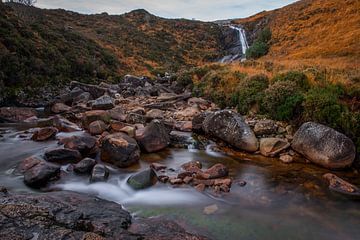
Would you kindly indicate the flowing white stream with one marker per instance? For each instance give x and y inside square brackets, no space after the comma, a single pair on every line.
[241,42]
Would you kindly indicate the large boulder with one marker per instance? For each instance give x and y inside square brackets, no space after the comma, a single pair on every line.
[143,179]
[231,128]
[154,137]
[41,174]
[120,149]
[324,146]
[62,215]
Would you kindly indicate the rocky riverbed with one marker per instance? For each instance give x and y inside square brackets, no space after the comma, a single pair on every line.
[146,142]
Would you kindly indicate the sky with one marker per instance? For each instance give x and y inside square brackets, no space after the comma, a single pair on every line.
[206,10]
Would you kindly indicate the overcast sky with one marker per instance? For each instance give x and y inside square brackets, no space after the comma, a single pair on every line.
[198,9]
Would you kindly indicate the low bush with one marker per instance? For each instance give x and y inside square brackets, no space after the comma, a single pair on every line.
[260,46]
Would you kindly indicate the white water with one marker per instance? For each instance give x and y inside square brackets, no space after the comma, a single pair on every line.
[240,42]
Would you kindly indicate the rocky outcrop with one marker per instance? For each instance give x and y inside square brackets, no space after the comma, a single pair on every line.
[120,149]
[62,215]
[324,146]
[154,137]
[231,128]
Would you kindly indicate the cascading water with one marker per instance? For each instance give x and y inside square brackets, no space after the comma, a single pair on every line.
[238,52]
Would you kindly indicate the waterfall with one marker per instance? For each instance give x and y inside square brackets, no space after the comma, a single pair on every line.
[238,52]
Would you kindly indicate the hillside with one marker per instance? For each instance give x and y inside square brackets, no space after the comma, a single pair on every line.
[40,49]
[326,30]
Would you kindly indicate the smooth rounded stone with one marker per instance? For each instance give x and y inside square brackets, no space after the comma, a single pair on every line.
[97,127]
[155,114]
[341,186]
[85,166]
[154,137]
[62,215]
[63,156]
[197,122]
[41,174]
[120,150]
[64,125]
[44,134]
[324,146]
[231,128]
[265,127]
[217,171]
[100,173]
[270,147]
[118,114]
[103,103]
[95,115]
[143,179]
[83,144]
[134,118]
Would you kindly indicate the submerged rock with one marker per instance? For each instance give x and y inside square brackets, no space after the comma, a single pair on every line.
[41,174]
[324,146]
[341,186]
[120,149]
[62,215]
[154,137]
[100,173]
[44,134]
[143,179]
[270,147]
[231,127]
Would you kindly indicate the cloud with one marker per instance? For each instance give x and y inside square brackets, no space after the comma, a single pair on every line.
[198,9]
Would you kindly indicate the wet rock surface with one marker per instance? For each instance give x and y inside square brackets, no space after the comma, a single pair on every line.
[231,127]
[40,174]
[154,138]
[324,146]
[62,156]
[143,179]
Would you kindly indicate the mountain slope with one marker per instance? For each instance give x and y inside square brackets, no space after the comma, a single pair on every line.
[41,48]
[312,29]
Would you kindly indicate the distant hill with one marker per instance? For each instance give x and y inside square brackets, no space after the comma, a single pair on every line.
[44,48]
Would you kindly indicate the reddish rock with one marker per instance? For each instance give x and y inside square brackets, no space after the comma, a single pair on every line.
[157,166]
[270,147]
[60,108]
[190,165]
[128,130]
[154,137]
[117,126]
[97,127]
[41,174]
[118,114]
[187,179]
[183,175]
[155,114]
[174,181]
[208,182]
[226,181]
[341,186]
[44,134]
[28,163]
[217,171]
[84,144]
[224,188]
[16,114]
[95,115]
[163,178]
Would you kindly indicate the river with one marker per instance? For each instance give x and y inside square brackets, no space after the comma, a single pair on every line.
[279,201]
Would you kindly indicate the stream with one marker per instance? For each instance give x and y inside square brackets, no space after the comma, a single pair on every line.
[279,201]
